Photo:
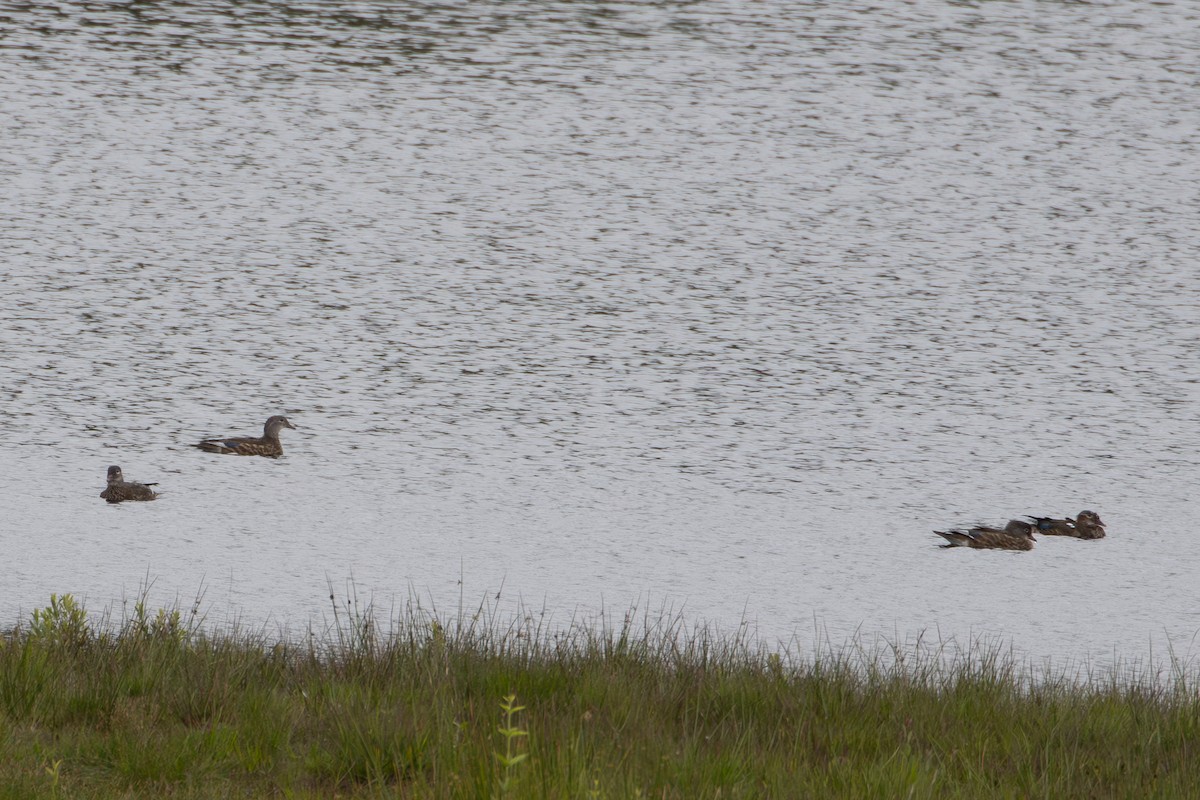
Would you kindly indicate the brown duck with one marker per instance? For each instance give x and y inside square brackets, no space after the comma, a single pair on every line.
[266,445]
[1016,535]
[1087,525]
[120,490]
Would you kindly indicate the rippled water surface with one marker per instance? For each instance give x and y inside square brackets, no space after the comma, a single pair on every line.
[715,305]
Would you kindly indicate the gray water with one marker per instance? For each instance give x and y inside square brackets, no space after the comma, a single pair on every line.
[710,306]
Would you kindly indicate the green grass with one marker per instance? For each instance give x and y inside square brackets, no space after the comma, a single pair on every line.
[159,705]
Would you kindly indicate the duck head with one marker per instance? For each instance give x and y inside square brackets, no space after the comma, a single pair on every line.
[275,424]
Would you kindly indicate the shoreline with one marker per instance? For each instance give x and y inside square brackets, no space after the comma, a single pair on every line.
[478,706]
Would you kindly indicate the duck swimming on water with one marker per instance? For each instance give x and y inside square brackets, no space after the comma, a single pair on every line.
[1016,535]
[120,490]
[266,445]
[1087,525]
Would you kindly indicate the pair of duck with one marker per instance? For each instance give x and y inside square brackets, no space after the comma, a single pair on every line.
[1018,535]
[120,490]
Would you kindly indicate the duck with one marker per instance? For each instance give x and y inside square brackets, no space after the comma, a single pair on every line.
[266,445]
[1016,535]
[119,490]
[1087,525]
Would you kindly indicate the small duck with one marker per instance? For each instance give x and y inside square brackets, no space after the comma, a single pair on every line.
[1087,525]
[1016,535]
[266,445]
[119,489]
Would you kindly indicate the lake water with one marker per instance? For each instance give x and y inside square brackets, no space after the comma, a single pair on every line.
[717,307]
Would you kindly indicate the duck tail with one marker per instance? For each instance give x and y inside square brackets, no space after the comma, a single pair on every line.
[954,538]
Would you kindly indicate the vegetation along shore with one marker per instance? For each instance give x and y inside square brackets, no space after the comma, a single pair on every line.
[158,704]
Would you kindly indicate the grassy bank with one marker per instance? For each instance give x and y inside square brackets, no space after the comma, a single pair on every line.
[155,705]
